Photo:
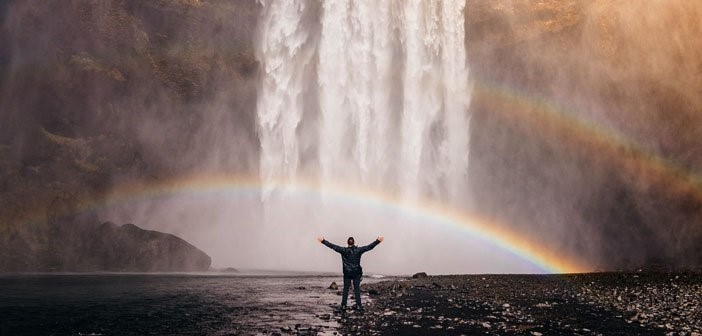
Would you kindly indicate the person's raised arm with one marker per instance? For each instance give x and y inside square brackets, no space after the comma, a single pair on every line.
[326,243]
[372,245]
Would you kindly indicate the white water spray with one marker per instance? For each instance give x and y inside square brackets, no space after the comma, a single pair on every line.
[389,108]
[286,55]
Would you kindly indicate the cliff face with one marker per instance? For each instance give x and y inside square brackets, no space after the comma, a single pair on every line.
[103,90]
[97,93]
[80,246]
[584,129]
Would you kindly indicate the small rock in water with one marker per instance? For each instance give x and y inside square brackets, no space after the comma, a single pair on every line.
[419,275]
[333,286]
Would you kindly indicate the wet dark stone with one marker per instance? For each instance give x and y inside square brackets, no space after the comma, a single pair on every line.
[419,275]
[601,303]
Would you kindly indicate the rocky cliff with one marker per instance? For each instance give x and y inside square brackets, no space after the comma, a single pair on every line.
[585,132]
[584,122]
[75,246]
[98,93]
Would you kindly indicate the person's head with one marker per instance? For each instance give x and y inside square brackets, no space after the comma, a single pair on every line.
[350,241]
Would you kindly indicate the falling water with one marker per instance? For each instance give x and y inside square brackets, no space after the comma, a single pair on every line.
[286,55]
[381,87]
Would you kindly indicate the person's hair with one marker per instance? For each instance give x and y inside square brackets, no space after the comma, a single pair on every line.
[350,241]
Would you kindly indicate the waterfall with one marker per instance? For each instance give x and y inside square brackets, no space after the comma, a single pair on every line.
[380,87]
[284,50]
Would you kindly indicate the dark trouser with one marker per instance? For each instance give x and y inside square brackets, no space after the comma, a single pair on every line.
[356,289]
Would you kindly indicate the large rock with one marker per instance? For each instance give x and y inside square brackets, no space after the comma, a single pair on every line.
[77,247]
[419,275]
[129,247]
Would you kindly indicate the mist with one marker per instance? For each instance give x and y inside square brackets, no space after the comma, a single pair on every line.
[571,123]
[607,106]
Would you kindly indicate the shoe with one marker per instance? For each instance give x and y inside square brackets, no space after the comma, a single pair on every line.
[359,309]
[342,308]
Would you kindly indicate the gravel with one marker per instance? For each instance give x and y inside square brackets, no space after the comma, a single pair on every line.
[580,304]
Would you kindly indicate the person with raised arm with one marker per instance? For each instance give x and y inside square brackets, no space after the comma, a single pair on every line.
[351,266]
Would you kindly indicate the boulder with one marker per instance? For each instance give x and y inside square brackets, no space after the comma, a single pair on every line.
[81,246]
[419,275]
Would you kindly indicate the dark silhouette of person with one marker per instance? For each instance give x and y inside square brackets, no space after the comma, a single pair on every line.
[351,263]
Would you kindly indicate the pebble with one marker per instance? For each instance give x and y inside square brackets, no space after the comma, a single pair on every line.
[660,304]
[424,303]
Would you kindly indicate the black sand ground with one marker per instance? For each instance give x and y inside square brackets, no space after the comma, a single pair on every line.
[210,304]
[588,304]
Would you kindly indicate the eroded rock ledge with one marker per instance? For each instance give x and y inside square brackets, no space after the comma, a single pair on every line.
[78,247]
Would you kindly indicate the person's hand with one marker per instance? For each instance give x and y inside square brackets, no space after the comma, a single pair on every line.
[380,238]
[320,239]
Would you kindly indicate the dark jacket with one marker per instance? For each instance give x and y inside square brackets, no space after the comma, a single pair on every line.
[351,256]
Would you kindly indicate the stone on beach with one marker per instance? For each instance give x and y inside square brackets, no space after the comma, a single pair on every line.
[419,275]
[533,305]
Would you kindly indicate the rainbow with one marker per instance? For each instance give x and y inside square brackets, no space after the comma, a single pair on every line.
[522,111]
[426,211]
[556,124]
